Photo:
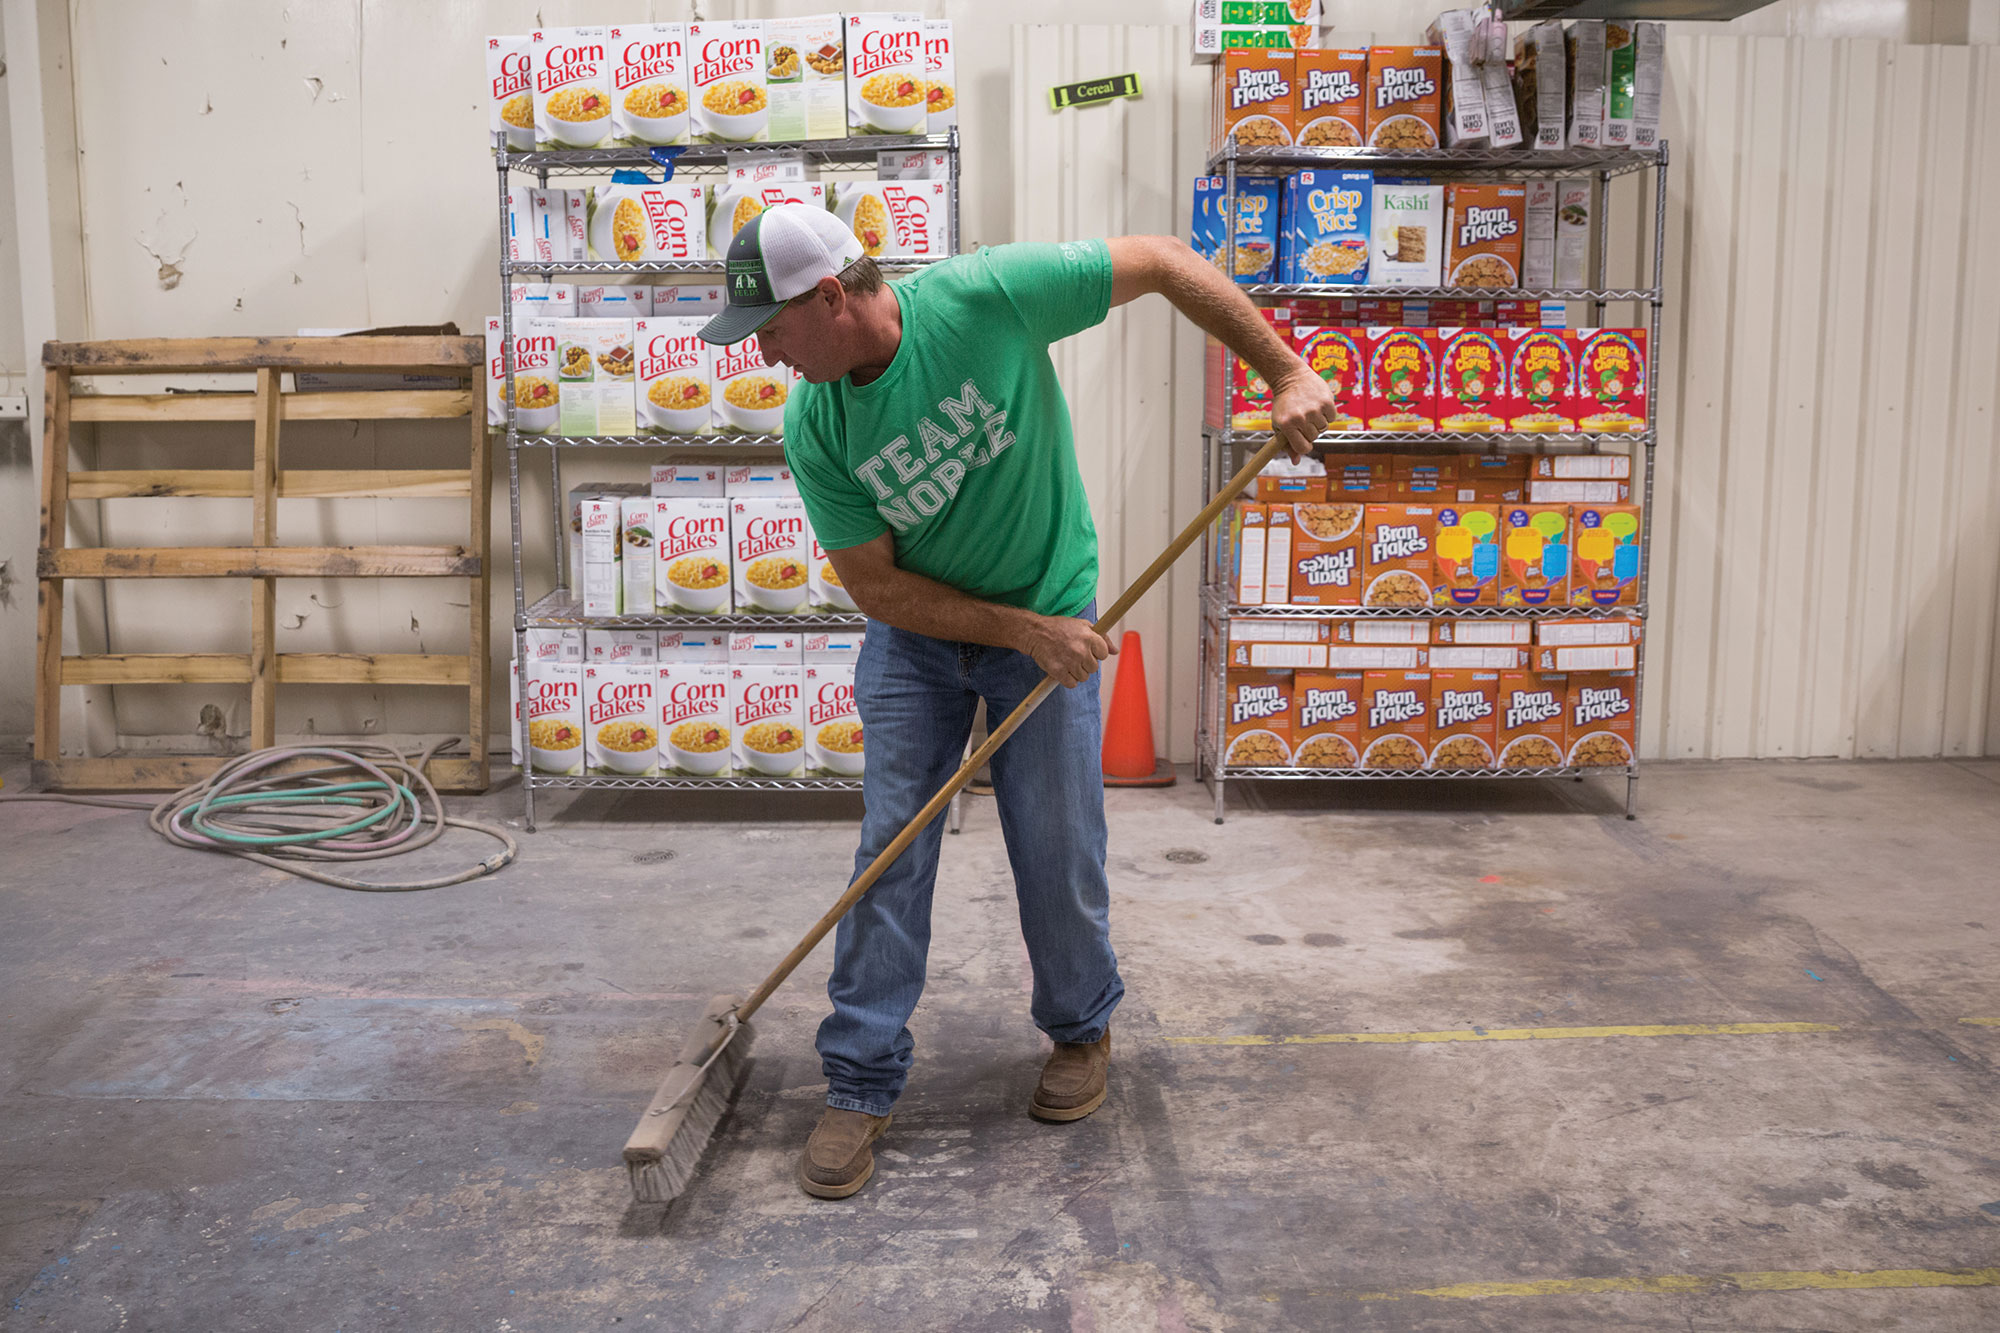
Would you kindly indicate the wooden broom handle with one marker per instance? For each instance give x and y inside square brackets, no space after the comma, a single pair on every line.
[935,806]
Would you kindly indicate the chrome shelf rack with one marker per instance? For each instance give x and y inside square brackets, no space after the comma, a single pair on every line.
[559,607]
[1224,449]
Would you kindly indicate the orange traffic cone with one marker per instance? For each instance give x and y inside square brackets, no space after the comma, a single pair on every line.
[1129,760]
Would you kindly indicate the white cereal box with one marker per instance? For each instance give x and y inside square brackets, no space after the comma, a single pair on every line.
[576,223]
[612,300]
[553,698]
[691,554]
[766,722]
[548,223]
[536,408]
[726,82]
[823,585]
[649,83]
[510,96]
[621,724]
[674,369]
[635,521]
[572,73]
[694,718]
[542,300]
[833,646]
[647,223]
[898,219]
[591,490]
[543,645]
[807,68]
[733,203]
[613,647]
[704,299]
[886,91]
[520,223]
[769,547]
[766,646]
[765,166]
[749,395]
[833,723]
[913,164]
[940,77]
[767,478]
[599,572]
[594,370]
[691,645]
[692,479]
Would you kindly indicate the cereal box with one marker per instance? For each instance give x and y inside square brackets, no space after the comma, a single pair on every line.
[1610,379]
[733,204]
[1237,394]
[1607,555]
[635,223]
[635,519]
[1541,381]
[534,358]
[1331,87]
[1257,731]
[1325,227]
[1277,552]
[691,479]
[749,395]
[770,545]
[886,92]
[767,724]
[1538,234]
[1409,235]
[1602,709]
[1503,121]
[611,647]
[621,727]
[1251,100]
[1402,380]
[1397,548]
[520,223]
[510,94]
[1472,380]
[1396,725]
[1584,467]
[1424,478]
[572,73]
[1239,552]
[649,83]
[673,376]
[554,704]
[766,646]
[1296,656]
[1359,478]
[613,301]
[594,368]
[1285,482]
[767,478]
[833,722]
[1492,478]
[807,66]
[612,491]
[896,219]
[1405,90]
[940,77]
[1534,555]
[599,570]
[1258,214]
[704,299]
[1326,554]
[1326,719]
[726,82]
[1622,51]
[1579,492]
[1205,220]
[1540,85]
[1483,235]
[1531,716]
[691,554]
[1463,115]
[1467,556]
[691,646]
[694,718]
[823,586]
[1340,357]
[1584,68]
[1572,256]
[834,646]
[1465,717]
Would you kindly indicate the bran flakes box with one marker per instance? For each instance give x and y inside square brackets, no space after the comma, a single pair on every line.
[1277,552]
[833,720]
[1257,731]
[886,86]
[1326,553]
[940,77]
[1239,552]
[1395,725]
[691,573]
[1607,553]
[674,370]
[694,718]
[1251,99]
[1405,96]
[510,93]
[726,82]
[1534,555]
[1601,719]
[767,725]
[1331,86]
[621,725]
[1397,545]
[749,395]
[1465,717]
[806,64]
[554,703]
[1532,729]
[649,84]
[1541,381]
[770,545]
[1402,380]
[1483,235]
[1340,357]
[1326,719]
[1467,556]
[572,73]
[1611,374]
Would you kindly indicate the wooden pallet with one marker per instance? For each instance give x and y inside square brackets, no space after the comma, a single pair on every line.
[262,562]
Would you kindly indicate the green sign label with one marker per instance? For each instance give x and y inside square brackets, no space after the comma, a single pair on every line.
[1092,91]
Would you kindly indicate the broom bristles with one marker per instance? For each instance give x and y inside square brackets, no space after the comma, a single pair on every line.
[666,1148]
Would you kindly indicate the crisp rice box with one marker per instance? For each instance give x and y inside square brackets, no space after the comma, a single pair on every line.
[674,393]
[1325,220]
[770,548]
[749,395]
[833,722]
[621,727]
[691,572]
[726,82]
[886,83]
[940,77]
[510,93]
[807,67]
[1258,215]
[572,73]
[694,718]
[767,724]
[649,83]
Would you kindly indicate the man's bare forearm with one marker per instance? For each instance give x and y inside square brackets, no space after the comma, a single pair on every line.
[925,606]
[1220,309]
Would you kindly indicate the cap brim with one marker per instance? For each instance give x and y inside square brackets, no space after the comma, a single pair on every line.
[737,322]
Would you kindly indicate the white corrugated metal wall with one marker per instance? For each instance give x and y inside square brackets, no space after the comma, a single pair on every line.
[1827,520]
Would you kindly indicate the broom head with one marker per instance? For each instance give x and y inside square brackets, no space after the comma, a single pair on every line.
[664,1150]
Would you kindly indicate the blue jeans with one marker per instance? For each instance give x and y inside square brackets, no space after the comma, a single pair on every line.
[917,696]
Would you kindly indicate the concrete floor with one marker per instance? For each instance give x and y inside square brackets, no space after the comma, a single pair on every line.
[233,1100]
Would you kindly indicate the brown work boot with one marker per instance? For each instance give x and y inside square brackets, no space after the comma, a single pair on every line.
[837,1161]
[1074,1081]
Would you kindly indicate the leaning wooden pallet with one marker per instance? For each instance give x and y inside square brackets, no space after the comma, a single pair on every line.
[263,561]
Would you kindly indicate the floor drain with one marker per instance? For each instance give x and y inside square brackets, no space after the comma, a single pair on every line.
[652,858]
[1186,856]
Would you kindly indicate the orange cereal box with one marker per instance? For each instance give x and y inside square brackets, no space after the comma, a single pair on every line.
[1541,381]
[1397,543]
[1258,727]
[1340,357]
[1466,561]
[1607,555]
[1602,718]
[1395,727]
[1534,555]
[1402,380]
[1251,99]
[1472,380]
[1331,87]
[1405,95]
[1326,719]
[1611,375]
[1465,717]
[1483,233]
[1326,553]
[1531,728]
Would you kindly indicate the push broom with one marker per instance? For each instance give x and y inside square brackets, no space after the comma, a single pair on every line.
[664,1150]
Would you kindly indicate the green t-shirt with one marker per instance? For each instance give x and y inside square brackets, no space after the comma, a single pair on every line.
[962,447]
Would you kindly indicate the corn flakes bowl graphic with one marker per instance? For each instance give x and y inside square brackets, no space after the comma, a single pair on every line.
[776,748]
[656,113]
[578,117]
[555,745]
[626,746]
[1258,749]
[755,403]
[833,593]
[839,746]
[895,101]
[517,114]
[776,582]
[537,404]
[698,583]
[677,404]
[868,220]
[735,110]
[699,747]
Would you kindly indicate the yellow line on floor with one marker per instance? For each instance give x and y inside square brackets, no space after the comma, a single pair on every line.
[1513,1034]
[1675,1284]
[1982,1022]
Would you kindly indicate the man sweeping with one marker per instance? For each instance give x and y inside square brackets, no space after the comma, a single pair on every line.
[931,444]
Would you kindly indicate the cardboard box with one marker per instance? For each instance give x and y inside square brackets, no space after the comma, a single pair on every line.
[1359,478]
[1401,633]
[886,91]
[1257,731]
[635,519]
[510,98]
[1258,217]
[535,388]
[704,299]
[1534,555]
[1492,478]
[727,82]
[649,84]
[1402,380]
[553,699]
[806,64]
[1467,556]
[1405,96]
[1251,99]
[1584,467]
[1633,56]
[594,366]
[1424,478]
[1463,117]
[1465,716]
[1472,380]
[1236,394]
[674,393]
[686,479]
[1395,727]
[1584,68]
[1483,235]
[621,723]
[749,396]
[1397,546]
[833,721]
[731,204]
[1277,631]
[1326,554]
[631,223]
[1477,657]
[940,77]
[1375,657]
[1532,729]
[1541,84]
[694,718]
[769,551]
[1611,375]
[1291,656]
[1340,357]
[1602,721]
[1284,482]
[1331,87]
[1587,632]
[767,723]
[824,590]
[1503,120]
[1572,262]
[1241,552]
[1538,234]
[691,567]
[1541,381]
[1579,492]
[1277,551]
[1325,222]
[600,571]
[692,646]
[897,219]
[572,73]
[1409,230]
[1326,719]
[1608,551]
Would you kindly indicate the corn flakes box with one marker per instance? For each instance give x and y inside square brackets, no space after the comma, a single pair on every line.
[749,395]
[1251,99]
[896,219]
[1340,357]
[1607,554]
[1257,732]
[621,726]
[691,479]
[594,370]
[533,356]
[1534,555]
[554,704]
[726,82]
[733,203]
[1331,86]
[1325,217]
[1326,566]
[694,719]
[647,223]
[940,77]
[1611,375]
[1397,545]
[1405,96]
[635,518]
[649,84]
[1472,380]
[806,65]
[824,590]
[770,545]
[887,89]
[1465,717]
[691,572]
[674,368]
[1467,558]
[1326,719]
[1601,719]
[510,93]
[833,721]
[1402,380]
[572,73]
[1532,729]
[1395,726]
[691,646]
[1541,381]
[767,724]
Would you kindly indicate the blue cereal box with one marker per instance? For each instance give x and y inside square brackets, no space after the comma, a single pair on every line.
[1257,214]
[1326,219]
[1205,226]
